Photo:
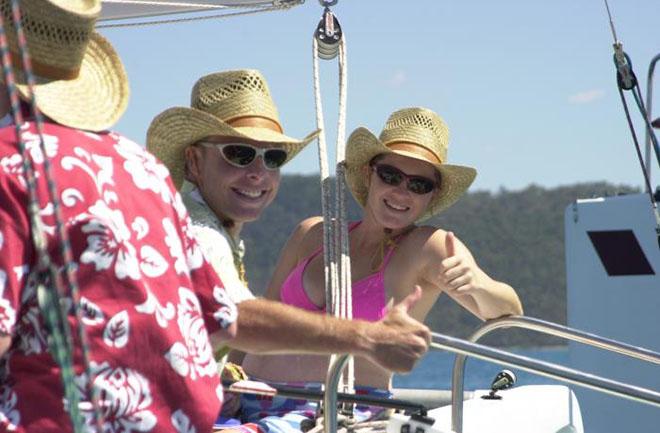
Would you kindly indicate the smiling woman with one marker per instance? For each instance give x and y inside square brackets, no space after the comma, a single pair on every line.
[400,179]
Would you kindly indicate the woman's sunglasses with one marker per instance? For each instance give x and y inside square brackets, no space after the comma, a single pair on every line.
[241,154]
[393,176]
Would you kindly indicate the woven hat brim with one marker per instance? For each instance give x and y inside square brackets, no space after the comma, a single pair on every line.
[363,145]
[176,128]
[93,101]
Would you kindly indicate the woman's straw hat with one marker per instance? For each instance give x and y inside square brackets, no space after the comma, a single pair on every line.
[80,80]
[416,133]
[217,101]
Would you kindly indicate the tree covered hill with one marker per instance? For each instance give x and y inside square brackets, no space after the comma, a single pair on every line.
[515,236]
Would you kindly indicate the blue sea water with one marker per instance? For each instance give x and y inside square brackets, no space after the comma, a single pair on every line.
[434,370]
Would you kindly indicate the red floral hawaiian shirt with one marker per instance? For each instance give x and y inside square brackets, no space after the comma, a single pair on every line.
[148,295]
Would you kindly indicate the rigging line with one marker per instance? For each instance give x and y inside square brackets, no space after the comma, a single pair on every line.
[65,246]
[639,156]
[607,6]
[280,6]
[647,123]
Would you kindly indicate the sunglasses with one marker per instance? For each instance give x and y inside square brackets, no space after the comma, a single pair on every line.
[393,176]
[241,154]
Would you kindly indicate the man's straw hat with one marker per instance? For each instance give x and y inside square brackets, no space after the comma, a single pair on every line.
[81,82]
[416,133]
[219,101]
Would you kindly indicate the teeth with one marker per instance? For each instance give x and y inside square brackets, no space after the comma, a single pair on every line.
[396,207]
[251,194]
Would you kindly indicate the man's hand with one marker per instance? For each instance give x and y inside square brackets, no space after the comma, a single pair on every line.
[398,340]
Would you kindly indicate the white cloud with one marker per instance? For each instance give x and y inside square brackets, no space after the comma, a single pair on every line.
[586,97]
[397,79]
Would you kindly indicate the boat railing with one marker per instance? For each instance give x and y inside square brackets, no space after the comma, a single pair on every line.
[544,327]
[464,348]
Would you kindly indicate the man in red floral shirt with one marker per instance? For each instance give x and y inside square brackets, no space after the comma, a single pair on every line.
[151,304]
[149,298]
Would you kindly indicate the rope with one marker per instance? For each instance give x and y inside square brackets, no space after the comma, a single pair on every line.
[277,6]
[336,244]
[51,302]
[345,285]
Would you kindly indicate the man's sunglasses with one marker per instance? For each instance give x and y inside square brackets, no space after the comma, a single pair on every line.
[241,154]
[393,176]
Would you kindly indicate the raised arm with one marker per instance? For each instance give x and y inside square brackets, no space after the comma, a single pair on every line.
[454,270]
[396,342]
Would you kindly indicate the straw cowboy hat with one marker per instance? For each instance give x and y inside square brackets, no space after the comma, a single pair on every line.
[80,80]
[220,102]
[416,133]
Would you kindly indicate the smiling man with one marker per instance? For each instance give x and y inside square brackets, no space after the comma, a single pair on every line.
[224,154]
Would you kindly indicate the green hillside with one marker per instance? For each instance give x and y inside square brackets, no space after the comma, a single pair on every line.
[516,236]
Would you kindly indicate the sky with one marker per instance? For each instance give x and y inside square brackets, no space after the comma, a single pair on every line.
[527,88]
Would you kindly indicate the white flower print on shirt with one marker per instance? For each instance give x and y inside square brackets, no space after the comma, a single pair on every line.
[7,312]
[108,242]
[194,357]
[144,168]
[99,169]
[153,306]
[124,397]
[152,262]
[226,313]
[117,331]
[13,165]
[33,146]
[173,242]
[141,227]
[91,313]
[181,422]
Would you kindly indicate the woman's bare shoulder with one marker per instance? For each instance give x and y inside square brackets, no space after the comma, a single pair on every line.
[422,235]
[308,235]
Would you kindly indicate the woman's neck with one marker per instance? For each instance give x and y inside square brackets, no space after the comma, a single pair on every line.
[370,233]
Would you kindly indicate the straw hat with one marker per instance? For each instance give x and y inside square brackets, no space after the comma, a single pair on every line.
[81,82]
[219,103]
[416,133]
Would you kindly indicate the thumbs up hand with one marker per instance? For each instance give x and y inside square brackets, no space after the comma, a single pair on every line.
[459,271]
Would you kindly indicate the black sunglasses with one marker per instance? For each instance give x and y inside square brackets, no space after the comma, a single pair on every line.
[393,176]
[241,154]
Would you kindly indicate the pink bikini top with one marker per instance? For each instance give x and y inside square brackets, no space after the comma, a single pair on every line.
[368,292]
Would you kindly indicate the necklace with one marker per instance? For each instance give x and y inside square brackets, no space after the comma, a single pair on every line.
[388,242]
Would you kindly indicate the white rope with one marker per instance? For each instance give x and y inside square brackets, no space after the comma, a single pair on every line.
[277,6]
[345,286]
[326,185]
[336,244]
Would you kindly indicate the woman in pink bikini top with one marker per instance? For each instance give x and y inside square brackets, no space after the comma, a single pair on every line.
[399,178]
